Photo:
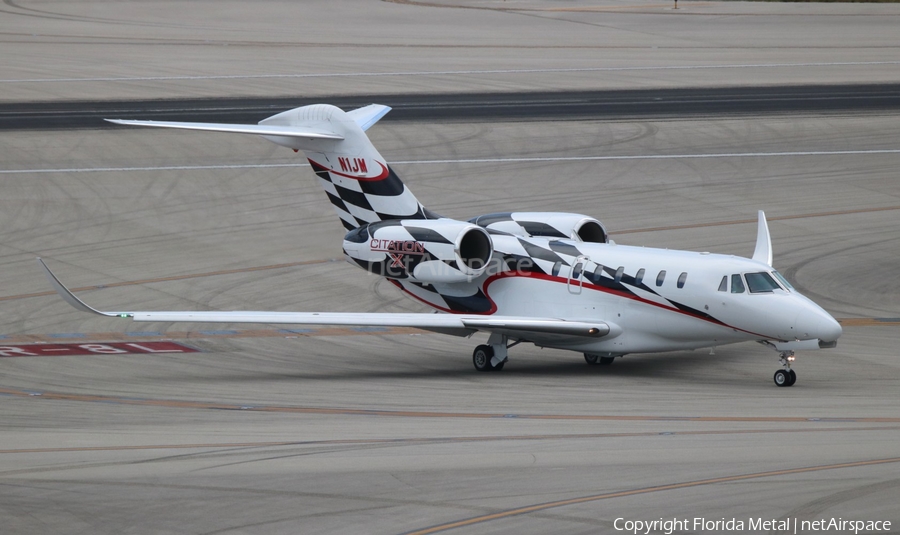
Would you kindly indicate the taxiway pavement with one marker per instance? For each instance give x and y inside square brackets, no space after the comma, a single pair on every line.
[394,432]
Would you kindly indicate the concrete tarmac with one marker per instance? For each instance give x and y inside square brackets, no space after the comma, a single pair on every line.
[263,431]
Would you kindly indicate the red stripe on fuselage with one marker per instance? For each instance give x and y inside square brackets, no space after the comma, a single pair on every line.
[589,286]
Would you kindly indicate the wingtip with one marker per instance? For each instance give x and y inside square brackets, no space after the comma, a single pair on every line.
[68,296]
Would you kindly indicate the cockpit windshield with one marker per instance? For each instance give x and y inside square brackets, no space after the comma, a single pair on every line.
[760,282]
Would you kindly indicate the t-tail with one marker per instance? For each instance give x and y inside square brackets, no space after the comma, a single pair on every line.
[358,181]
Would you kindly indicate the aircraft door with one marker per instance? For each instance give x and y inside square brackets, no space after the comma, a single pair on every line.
[575,283]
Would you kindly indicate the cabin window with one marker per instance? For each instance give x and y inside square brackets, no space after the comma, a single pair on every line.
[737,285]
[619,273]
[555,270]
[681,279]
[723,286]
[598,272]
[576,270]
[783,280]
[660,278]
[639,277]
[761,282]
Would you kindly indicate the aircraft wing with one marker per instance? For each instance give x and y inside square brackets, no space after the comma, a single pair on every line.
[459,325]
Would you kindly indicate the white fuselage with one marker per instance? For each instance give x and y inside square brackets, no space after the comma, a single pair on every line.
[657,313]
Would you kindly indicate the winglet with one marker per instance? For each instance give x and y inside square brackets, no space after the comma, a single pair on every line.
[70,298]
[763,251]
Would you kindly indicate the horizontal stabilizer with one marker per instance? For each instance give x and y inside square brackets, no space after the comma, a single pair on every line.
[366,116]
[460,325]
[258,129]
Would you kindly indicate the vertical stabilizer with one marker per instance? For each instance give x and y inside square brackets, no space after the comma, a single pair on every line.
[357,179]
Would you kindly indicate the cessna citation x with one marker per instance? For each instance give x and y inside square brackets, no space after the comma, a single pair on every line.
[552,279]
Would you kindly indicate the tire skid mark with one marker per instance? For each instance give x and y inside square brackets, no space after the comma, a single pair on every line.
[434,440]
[329,260]
[175,278]
[645,490]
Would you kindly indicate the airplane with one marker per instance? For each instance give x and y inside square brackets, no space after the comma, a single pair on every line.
[552,279]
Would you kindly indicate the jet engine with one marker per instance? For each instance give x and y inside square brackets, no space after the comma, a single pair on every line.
[562,225]
[429,251]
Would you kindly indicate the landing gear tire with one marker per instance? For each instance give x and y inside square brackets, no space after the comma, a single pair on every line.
[785,377]
[592,359]
[481,358]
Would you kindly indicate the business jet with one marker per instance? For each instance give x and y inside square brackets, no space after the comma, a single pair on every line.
[548,278]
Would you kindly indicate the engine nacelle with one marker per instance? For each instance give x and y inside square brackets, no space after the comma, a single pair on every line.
[430,251]
[562,225]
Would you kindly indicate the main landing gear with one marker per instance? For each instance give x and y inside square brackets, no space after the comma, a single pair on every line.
[786,376]
[492,356]
[592,359]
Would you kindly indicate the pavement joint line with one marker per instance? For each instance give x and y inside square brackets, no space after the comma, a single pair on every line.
[468,161]
[348,411]
[450,72]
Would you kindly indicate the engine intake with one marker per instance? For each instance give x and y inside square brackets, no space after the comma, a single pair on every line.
[562,225]
[429,251]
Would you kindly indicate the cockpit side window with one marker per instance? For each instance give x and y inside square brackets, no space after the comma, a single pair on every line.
[723,286]
[761,282]
[737,285]
[783,280]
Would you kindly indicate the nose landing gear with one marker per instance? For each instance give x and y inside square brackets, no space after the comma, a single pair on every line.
[786,376]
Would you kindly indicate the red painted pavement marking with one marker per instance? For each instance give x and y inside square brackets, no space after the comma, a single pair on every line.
[112,348]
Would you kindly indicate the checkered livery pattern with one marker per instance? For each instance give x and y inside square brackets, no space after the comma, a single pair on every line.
[358,202]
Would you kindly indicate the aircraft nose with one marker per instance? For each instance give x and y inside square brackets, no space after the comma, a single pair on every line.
[813,322]
[828,329]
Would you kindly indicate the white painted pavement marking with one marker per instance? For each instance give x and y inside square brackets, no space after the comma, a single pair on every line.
[446,73]
[467,160]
